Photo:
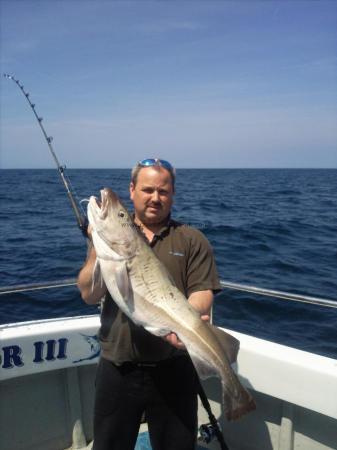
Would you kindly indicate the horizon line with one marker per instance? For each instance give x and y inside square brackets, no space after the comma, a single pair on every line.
[177,168]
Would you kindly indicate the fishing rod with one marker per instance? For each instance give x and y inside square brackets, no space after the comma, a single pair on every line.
[211,429]
[81,218]
[208,431]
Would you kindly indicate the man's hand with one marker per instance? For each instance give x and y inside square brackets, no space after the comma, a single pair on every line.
[173,339]
[202,302]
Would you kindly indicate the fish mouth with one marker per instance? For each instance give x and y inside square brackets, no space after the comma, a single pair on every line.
[100,207]
[108,199]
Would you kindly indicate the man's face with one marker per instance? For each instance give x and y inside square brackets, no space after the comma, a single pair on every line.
[152,195]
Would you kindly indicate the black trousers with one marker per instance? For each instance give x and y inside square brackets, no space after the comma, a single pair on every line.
[166,392]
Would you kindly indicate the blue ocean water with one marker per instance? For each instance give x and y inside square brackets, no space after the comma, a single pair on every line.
[273,228]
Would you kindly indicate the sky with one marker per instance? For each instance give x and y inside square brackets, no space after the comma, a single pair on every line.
[232,84]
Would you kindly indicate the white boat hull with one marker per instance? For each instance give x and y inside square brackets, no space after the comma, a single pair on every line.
[47,390]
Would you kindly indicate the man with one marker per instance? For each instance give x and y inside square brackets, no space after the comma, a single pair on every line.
[139,372]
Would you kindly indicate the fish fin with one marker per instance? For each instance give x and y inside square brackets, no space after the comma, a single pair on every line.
[103,250]
[96,275]
[123,281]
[203,369]
[229,344]
[234,405]
[241,404]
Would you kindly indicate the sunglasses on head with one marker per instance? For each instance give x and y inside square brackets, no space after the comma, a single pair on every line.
[156,162]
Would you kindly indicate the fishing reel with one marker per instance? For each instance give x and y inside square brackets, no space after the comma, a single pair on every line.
[207,432]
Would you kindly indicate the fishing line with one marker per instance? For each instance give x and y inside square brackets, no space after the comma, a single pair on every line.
[81,218]
[73,190]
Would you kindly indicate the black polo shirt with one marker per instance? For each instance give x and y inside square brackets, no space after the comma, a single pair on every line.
[189,259]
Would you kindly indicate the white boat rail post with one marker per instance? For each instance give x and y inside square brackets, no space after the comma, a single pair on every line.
[75,409]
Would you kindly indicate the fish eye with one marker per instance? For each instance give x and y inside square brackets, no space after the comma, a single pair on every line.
[121,214]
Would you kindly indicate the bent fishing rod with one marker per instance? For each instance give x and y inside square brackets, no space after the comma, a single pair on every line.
[81,218]
[208,431]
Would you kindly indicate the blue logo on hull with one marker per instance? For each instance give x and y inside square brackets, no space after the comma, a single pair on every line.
[94,348]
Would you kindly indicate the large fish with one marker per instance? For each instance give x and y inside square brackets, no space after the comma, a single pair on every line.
[143,289]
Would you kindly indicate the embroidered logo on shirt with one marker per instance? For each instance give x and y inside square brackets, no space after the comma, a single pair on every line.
[176,253]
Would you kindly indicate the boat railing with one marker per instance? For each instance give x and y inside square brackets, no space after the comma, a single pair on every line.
[37,286]
[7,290]
[279,294]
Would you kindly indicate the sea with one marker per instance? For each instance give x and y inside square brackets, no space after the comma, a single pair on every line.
[269,228]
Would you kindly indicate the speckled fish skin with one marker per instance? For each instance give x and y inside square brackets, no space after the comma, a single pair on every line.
[143,289]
